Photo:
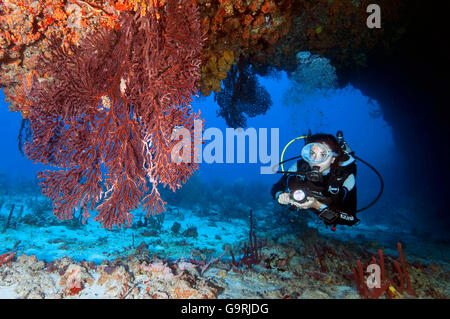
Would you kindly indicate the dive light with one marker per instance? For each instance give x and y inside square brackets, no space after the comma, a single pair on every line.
[300,195]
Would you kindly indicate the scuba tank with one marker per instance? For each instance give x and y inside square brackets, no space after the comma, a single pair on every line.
[344,146]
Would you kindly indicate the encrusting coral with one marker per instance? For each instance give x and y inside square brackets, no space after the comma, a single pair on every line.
[233,28]
[238,29]
[27,25]
[336,30]
[267,33]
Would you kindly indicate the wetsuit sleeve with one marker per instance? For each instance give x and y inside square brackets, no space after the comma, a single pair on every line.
[281,186]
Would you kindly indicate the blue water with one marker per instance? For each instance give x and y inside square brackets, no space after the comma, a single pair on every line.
[327,111]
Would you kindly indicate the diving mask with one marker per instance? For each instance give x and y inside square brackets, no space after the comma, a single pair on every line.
[316,153]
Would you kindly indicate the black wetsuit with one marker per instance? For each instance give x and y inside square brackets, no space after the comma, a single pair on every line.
[337,190]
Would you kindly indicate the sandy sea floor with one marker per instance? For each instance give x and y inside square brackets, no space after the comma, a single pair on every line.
[177,256]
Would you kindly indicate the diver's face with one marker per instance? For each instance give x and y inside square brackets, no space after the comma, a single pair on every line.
[318,153]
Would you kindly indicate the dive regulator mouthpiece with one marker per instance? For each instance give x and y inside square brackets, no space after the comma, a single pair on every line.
[314,175]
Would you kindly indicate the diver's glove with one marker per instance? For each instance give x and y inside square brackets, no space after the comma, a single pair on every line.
[306,205]
[283,199]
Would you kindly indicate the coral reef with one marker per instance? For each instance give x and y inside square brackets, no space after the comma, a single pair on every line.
[190,232]
[111,103]
[121,279]
[6,257]
[237,29]
[336,30]
[233,28]
[251,256]
[391,288]
[274,259]
[26,27]
[175,229]
[72,280]
[265,32]
[287,268]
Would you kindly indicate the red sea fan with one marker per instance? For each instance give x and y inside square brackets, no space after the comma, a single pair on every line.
[105,112]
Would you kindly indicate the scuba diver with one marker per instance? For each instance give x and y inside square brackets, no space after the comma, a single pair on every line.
[323,180]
